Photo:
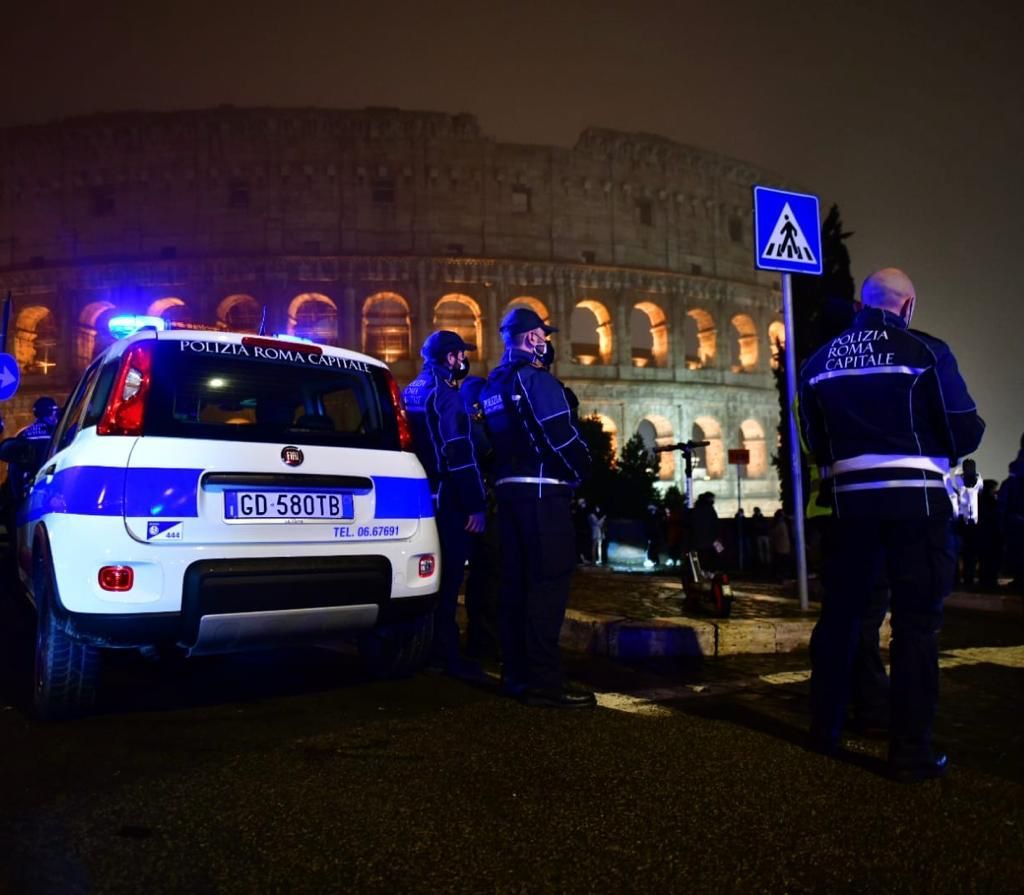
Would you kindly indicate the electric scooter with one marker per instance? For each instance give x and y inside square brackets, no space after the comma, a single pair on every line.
[703,590]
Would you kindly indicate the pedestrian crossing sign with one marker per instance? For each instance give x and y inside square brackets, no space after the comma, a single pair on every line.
[787,231]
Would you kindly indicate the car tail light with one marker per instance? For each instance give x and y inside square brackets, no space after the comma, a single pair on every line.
[404,430]
[117,578]
[126,406]
[427,565]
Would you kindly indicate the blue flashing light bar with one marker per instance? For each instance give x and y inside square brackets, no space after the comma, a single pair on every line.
[124,325]
[288,337]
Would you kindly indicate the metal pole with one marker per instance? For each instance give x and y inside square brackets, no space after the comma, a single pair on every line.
[794,443]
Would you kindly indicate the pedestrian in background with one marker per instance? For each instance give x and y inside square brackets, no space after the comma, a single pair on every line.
[887,456]
[782,547]
[540,459]
[443,440]
[990,536]
[596,521]
[761,528]
[1011,517]
[704,533]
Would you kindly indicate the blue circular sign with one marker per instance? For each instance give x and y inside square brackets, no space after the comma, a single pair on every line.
[10,376]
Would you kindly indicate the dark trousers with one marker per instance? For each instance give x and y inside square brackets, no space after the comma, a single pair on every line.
[483,587]
[451,531]
[537,560]
[917,558]
[870,694]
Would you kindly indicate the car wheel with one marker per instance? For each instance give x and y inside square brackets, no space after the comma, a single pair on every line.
[398,649]
[66,670]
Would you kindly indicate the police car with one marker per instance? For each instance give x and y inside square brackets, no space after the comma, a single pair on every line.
[213,492]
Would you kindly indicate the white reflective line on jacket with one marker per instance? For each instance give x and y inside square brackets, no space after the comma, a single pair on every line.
[890,461]
[867,371]
[897,483]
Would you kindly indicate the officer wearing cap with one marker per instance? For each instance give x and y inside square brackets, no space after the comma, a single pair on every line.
[539,458]
[885,412]
[38,435]
[444,445]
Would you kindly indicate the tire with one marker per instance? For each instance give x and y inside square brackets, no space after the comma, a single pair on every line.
[399,649]
[66,670]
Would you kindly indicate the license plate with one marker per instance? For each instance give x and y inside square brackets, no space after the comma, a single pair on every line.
[240,506]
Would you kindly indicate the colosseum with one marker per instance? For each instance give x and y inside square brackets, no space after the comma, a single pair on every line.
[370,228]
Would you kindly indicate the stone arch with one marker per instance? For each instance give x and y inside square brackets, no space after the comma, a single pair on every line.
[648,327]
[656,431]
[313,315]
[171,309]
[745,344]
[387,330]
[711,458]
[700,336]
[752,438]
[528,301]
[240,313]
[461,314]
[35,339]
[776,341]
[92,334]
[590,331]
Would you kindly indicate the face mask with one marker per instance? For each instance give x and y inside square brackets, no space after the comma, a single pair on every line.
[547,356]
[460,370]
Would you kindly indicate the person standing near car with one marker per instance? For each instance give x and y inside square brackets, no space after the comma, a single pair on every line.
[443,440]
[540,459]
[885,411]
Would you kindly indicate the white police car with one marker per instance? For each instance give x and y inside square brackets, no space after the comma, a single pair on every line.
[213,492]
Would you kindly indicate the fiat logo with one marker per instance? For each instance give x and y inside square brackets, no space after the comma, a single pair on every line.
[291,455]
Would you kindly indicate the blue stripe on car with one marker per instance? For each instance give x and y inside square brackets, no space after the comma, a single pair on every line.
[160,491]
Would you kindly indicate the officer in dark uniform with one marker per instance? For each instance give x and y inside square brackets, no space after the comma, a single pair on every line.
[885,412]
[444,445]
[539,460]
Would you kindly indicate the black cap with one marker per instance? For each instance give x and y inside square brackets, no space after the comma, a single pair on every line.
[522,320]
[442,343]
[44,407]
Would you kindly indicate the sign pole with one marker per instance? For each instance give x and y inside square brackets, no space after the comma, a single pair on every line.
[794,443]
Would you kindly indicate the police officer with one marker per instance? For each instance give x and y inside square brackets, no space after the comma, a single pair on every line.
[539,460]
[885,411]
[37,435]
[444,445]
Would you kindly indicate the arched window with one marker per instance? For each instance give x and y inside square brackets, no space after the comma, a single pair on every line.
[744,358]
[35,339]
[313,316]
[649,334]
[171,309]
[528,301]
[460,314]
[656,431]
[708,460]
[590,331]
[386,326]
[699,336]
[776,340]
[92,335]
[240,313]
[752,438]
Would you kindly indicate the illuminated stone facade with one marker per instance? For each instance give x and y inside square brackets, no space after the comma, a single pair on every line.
[371,228]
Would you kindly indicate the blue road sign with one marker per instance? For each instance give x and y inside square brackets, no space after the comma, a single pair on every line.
[10,376]
[787,230]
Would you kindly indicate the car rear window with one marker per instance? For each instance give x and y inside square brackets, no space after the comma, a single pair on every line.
[268,396]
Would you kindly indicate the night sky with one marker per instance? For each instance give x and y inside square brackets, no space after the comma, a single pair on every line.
[909,115]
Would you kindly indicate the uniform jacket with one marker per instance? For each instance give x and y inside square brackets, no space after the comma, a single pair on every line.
[885,413]
[531,427]
[19,477]
[442,437]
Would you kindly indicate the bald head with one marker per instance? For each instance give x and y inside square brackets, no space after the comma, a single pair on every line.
[891,290]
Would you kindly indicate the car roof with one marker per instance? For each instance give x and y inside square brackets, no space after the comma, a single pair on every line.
[221,336]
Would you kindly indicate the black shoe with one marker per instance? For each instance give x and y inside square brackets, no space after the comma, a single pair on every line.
[564,698]
[919,770]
